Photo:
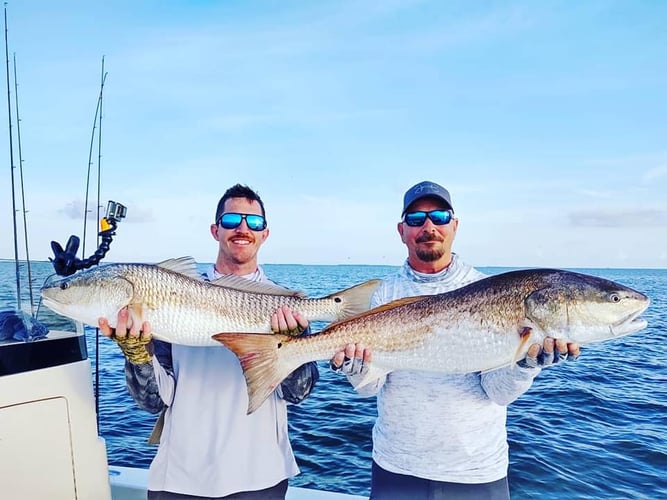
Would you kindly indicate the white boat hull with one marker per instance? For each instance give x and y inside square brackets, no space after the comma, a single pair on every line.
[49,445]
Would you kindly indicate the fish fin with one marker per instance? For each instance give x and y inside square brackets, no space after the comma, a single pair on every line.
[372,375]
[525,334]
[400,302]
[494,368]
[356,299]
[245,285]
[182,265]
[136,313]
[155,436]
[384,307]
[259,355]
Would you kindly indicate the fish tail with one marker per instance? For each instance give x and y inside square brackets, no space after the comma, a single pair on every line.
[263,367]
[356,299]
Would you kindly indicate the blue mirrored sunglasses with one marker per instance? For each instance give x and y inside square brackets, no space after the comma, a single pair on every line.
[232,220]
[438,217]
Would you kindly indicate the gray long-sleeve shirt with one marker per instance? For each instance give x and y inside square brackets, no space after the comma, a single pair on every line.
[440,426]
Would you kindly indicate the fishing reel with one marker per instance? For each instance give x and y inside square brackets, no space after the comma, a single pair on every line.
[66,263]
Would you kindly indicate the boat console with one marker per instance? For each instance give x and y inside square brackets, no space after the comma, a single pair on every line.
[49,443]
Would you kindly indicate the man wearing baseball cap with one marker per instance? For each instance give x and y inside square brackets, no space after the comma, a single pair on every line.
[426,189]
[440,436]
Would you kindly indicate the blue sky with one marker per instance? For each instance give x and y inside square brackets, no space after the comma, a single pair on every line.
[545,120]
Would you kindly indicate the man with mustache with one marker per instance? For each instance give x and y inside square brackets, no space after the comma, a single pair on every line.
[440,436]
[209,447]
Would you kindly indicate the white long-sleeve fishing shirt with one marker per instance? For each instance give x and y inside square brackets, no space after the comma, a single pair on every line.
[209,447]
[439,426]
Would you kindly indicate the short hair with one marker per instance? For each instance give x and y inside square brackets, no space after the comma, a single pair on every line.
[238,191]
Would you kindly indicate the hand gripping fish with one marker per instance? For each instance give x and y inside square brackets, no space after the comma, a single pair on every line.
[482,326]
[182,307]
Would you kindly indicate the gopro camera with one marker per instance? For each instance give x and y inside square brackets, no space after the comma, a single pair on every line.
[115,211]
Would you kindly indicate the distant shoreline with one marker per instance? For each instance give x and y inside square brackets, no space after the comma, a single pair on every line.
[2,261]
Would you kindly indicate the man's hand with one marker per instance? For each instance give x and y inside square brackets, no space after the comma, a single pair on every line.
[353,360]
[289,322]
[551,352]
[134,342]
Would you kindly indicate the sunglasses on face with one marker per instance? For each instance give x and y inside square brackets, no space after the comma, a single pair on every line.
[232,220]
[438,217]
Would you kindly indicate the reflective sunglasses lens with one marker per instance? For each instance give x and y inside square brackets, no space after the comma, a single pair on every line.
[255,222]
[415,219]
[440,217]
[233,220]
[230,220]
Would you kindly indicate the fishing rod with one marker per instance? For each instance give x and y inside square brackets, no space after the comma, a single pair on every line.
[15,324]
[99,175]
[98,116]
[11,160]
[25,221]
[99,143]
[66,262]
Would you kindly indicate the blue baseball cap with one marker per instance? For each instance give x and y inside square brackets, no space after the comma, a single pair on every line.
[424,189]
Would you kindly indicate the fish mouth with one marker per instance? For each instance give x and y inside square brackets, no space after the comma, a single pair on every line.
[630,324]
[51,303]
[47,297]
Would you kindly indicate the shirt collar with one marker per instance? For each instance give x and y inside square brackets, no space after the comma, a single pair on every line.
[429,277]
[257,275]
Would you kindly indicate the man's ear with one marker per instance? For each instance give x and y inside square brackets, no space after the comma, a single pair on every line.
[399,228]
[214,231]
[265,234]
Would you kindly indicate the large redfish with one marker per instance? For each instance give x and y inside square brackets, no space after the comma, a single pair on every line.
[482,326]
[182,308]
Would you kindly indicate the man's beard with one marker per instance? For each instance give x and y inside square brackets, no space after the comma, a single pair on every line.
[429,254]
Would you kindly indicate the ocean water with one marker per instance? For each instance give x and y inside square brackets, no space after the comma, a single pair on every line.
[594,428]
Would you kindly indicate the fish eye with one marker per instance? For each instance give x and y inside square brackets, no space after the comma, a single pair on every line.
[64,286]
[614,297]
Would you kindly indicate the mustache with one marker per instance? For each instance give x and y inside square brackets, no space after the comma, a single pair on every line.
[245,236]
[429,237]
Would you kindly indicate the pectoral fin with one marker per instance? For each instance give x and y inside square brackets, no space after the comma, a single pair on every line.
[154,438]
[526,333]
[371,375]
[136,312]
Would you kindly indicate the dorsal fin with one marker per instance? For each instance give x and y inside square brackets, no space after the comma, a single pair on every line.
[244,285]
[384,307]
[182,265]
